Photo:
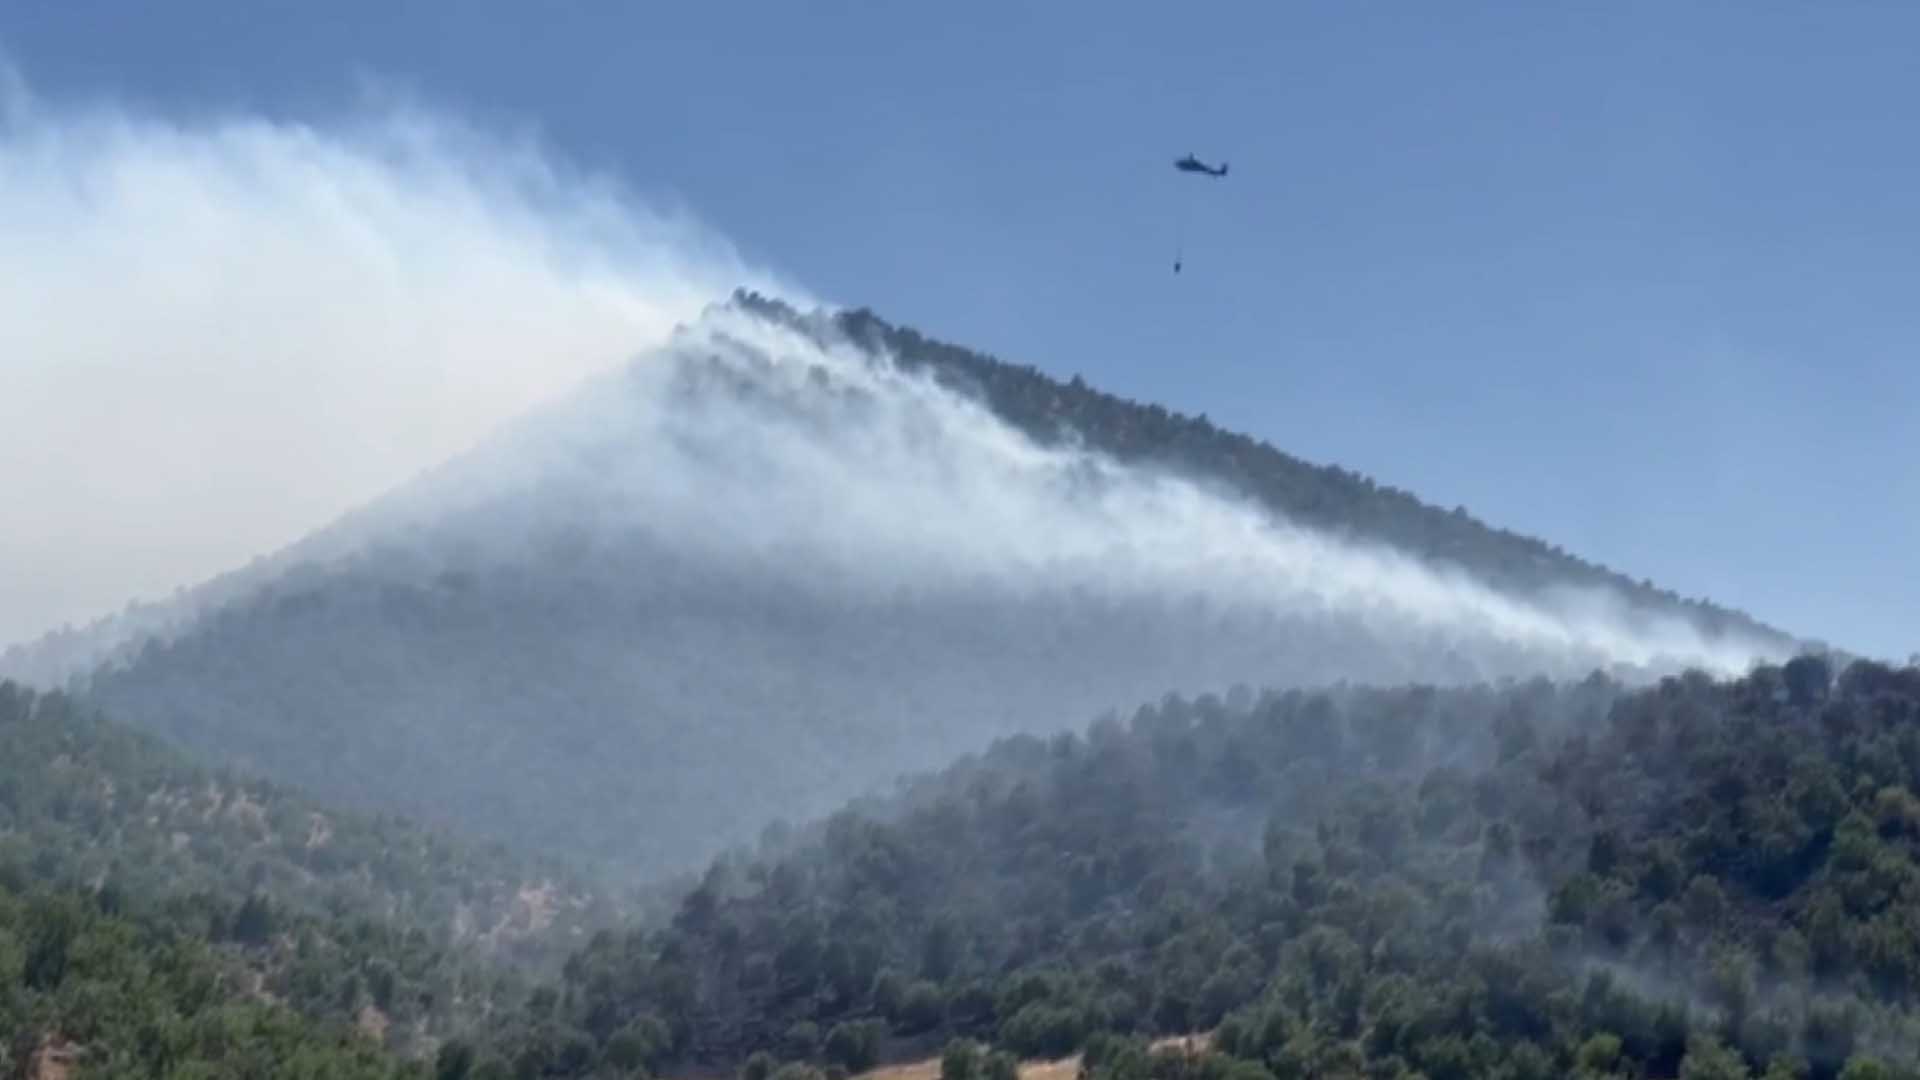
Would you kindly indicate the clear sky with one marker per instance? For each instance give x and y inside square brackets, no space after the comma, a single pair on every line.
[1637,278]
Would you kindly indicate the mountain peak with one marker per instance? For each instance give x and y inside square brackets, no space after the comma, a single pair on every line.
[787,556]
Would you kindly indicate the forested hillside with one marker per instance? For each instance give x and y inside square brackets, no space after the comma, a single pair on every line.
[1702,879]
[84,800]
[112,839]
[759,573]
[1697,879]
[89,991]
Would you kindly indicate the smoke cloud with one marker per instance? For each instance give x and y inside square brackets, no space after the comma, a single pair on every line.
[794,451]
[216,336]
[482,478]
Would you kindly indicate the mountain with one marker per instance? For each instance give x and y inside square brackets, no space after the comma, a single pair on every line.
[1700,878]
[785,557]
[1697,878]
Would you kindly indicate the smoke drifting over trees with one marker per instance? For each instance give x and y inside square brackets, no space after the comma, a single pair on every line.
[769,560]
[658,568]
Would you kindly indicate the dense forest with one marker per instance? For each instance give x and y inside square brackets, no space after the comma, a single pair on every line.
[92,991]
[1701,879]
[1406,860]
[1698,879]
[139,854]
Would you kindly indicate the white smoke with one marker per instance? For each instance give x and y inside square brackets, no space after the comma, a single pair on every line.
[789,447]
[216,336]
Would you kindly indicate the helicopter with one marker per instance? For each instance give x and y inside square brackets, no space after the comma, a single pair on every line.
[1192,164]
[1195,165]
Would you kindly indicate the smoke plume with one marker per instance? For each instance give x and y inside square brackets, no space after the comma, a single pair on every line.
[793,450]
[218,335]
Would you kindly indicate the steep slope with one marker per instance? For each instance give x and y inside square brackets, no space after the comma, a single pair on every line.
[1700,878]
[1323,497]
[771,565]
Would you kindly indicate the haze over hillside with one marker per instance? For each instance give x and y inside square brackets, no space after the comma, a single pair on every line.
[778,557]
[1700,879]
[768,566]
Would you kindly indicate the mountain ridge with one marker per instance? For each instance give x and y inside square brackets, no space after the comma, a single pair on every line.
[782,560]
[1050,411]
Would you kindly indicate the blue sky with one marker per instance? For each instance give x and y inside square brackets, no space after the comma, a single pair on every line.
[1637,279]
